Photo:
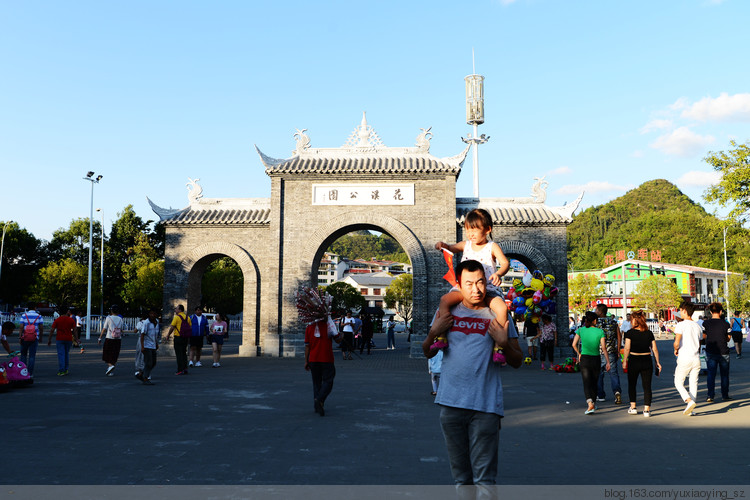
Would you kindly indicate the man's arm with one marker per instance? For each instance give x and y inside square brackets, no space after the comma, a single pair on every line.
[619,337]
[307,357]
[511,349]
[440,326]
[51,334]
[6,345]
[677,341]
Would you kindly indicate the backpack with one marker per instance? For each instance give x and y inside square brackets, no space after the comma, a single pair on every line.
[185,329]
[29,330]
[116,330]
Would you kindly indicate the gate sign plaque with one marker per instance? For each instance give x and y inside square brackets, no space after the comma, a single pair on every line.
[363,194]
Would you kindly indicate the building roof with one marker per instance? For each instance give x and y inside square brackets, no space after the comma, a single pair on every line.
[219,217]
[667,267]
[371,279]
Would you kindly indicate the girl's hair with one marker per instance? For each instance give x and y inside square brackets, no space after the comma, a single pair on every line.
[590,318]
[478,218]
[639,320]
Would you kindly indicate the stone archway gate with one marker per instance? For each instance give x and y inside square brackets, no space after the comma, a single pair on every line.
[318,195]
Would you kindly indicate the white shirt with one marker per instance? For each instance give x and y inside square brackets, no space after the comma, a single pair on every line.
[690,342]
[626,326]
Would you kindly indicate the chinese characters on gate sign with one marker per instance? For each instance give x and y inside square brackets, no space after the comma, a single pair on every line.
[643,254]
[363,194]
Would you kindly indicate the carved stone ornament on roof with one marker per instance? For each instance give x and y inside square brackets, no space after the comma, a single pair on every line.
[423,140]
[195,191]
[539,189]
[303,141]
[364,137]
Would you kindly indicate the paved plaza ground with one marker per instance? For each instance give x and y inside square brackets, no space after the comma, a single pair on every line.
[251,422]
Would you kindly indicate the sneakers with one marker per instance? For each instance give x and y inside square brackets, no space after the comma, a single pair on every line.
[110,371]
[216,365]
[183,372]
[600,399]
[632,411]
[709,400]
[147,382]
[728,398]
[190,363]
[62,373]
[646,413]
[590,411]
[689,408]
[618,398]
[198,363]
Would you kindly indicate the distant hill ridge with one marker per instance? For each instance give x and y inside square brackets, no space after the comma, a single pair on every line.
[655,216]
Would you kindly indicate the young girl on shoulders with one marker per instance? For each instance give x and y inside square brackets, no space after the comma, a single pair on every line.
[477,230]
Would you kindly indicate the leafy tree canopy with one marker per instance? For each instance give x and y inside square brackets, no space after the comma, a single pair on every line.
[398,296]
[582,290]
[222,286]
[345,298]
[734,187]
[657,293]
[365,245]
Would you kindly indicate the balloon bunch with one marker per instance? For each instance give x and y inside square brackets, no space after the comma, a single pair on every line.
[570,366]
[532,296]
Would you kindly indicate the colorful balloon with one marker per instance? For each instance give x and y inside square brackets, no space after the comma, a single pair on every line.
[549,280]
[537,274]
[536,284]
[527,279]
[553,292]
[537,297]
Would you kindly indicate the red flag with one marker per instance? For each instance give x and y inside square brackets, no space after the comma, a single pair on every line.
[450,276]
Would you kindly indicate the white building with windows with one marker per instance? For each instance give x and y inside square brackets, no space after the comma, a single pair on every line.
[372,286]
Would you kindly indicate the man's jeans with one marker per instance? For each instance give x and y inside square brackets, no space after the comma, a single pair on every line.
[471,438]
[322,378]
[614,376]
[721,362]
[28,354]
[63,354]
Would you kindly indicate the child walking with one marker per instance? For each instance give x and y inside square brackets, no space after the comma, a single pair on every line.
[477,229]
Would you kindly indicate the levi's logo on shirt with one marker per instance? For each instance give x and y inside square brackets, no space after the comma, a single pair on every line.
[467,326]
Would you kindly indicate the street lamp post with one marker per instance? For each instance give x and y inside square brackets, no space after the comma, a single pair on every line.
[101,265]
[726,272]
[90,177]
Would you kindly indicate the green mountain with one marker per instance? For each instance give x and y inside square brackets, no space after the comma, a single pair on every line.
[655,216]
[365,245]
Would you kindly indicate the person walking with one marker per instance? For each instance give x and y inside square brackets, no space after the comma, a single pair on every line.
[347,346]
[547,340]
[199,324]
[639,345]
[319,361]
[31,333]
[687,337]
[716,335]
[112,328]
[182,331]
[149,335]
[738,327]
[611,354]
[219,331]
[587,342]
[390,334]
[434,367]
[366,332]
[63,329]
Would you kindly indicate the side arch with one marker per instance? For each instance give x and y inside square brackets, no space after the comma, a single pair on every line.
[195,263]
[528,255]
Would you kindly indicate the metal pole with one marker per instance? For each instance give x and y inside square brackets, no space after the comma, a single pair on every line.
[476,163]
[91,254]
[624,294]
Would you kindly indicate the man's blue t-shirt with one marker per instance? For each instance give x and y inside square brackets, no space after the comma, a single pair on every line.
[469,379]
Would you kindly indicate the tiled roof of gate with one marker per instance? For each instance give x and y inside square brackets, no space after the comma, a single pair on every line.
[366,165]
[518,214]
[221,216]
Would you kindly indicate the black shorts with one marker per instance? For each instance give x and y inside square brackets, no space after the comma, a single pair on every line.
[737,337]
[196,341]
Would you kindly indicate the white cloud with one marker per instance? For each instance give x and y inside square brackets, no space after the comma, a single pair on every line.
[697,178]
[507,2]
[682,142]
[657,124]
[560,171]
[721,109]
[680,103]
[592,187]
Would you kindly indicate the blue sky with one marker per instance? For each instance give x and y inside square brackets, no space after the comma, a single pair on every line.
[597,96]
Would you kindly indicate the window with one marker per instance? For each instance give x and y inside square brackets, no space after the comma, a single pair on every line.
[709,286]
[376,291]
[699,286]
[363,291]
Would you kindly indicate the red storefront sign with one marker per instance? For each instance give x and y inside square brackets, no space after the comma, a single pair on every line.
[611,302]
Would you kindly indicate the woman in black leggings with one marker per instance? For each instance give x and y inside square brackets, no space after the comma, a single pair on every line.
[586,344]
[639,343]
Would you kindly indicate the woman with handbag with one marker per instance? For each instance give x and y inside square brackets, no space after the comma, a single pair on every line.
[639,344]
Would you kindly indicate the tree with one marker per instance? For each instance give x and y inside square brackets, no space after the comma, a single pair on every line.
[23,254]
[345,298]
[126,234]
[583,289]
[222,286]
[657,293]
[73,242]
[734,187]
[739,293]
[145,289]
[63,283]
[399,296]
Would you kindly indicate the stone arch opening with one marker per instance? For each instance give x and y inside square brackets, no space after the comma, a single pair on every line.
[195,266]
[333,229]
[526,254]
